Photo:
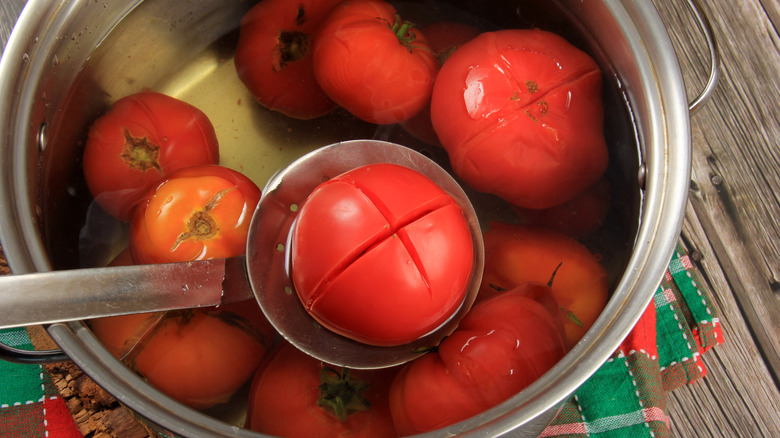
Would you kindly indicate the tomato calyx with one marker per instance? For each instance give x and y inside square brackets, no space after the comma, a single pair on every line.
[552,277]
[568,314]
[497,288]
[403,31]
[341,394]
[140,154]
[201,225]
[571,316]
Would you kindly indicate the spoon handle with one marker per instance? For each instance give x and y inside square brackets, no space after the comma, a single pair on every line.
[60,296]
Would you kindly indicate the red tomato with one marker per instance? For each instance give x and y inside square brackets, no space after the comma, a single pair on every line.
[273,56]
[294,395]
[520,115]
[198,357]
[443,38]
[577,218]
[372,63]
[194,214]
[381,254]
[518,254]
[142,138]
[501,346]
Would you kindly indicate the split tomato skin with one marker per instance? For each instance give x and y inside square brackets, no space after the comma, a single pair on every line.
[372,64]
[520,114]
[196,213]
[381,254]
[198,357]
[501,346]
[516,254]
[142,138]
[286,399]
[273,56]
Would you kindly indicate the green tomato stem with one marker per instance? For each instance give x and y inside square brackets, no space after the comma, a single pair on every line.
[402,30]
[341,394]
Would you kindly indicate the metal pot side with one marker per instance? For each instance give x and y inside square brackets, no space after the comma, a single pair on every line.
[52,42]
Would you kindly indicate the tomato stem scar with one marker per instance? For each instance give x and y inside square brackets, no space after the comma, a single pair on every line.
[201,225]
[293,45]
[139,153]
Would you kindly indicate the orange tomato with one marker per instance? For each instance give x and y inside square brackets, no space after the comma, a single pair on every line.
[515,254]
[196,213]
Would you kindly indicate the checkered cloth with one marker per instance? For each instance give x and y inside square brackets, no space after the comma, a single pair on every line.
[624,398]
[30,406]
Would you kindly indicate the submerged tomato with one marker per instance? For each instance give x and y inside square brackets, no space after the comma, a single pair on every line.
[520,114]
[194,214]
[502,345]
[142,138]
[294,395]
[577,218]
[273,56]
[198,357]
[376,66]
[381,254]
[517,254]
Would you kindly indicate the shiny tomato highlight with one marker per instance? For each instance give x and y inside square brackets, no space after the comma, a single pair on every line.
[381,254]
[502,345]
[273,56]
[194,214]
[520,114]
[142,138]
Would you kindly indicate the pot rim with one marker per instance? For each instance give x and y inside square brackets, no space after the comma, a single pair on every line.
[666,156]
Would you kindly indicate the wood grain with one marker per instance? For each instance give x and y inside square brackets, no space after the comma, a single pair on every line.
[732,218]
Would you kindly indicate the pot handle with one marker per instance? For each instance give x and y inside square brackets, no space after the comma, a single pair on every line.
[33,357]
[715,59]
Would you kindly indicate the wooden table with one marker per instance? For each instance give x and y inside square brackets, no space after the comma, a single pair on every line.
[732,224]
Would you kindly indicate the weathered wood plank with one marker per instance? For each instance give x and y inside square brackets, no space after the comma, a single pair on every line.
[736,172]
[732,218]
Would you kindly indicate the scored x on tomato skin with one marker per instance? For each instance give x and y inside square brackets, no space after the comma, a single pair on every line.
[386,240]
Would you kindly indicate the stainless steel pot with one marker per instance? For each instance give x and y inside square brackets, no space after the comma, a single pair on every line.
[84,54]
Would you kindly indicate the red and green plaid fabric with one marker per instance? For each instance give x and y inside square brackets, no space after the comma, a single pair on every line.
[30,406]
[624,398]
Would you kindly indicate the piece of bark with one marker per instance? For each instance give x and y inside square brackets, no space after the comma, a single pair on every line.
[96,412]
